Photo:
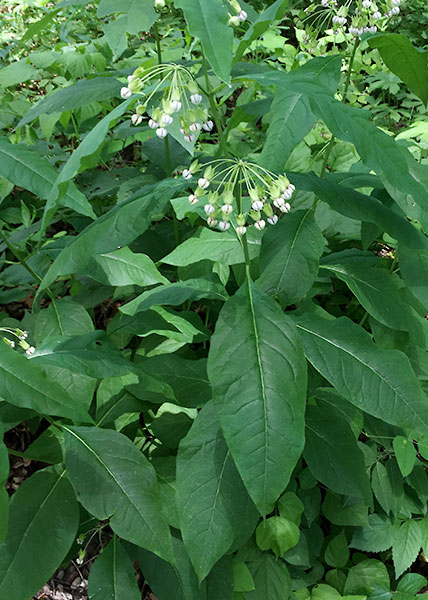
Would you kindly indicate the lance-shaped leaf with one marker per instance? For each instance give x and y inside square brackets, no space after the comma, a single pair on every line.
[406,61]
[333,455]
[43,503]
[115,481]
[177,293]
[112,575]
[207,20]
[258,375]
[118,227]
[25,384]
[74,96]
[380,382]
[27,169]
[213,504]
[289,256]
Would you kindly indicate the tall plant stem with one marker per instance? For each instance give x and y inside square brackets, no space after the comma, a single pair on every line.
[35,276]
[243,238]
[214,108]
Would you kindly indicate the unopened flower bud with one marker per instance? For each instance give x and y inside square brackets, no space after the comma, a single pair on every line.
[287,194]
[194,127]
[166,119]
[257,205]
[161,132]
[241,230]
[159,4]
[208,126]
[373,29]
[187,174]
[376,15]
[203,183]
[212,222]
[189,138]
[260,224]
[30,350]
[242,16]
[153,124]
[224,225]
[324,3]
[196,98]
[125,93]
[227,209]
[136,119]
[278,202]
[130,78]
[285,208]
[193,199]
[367,3]
[209,209]
[395,10]
[175,105]
[273,220]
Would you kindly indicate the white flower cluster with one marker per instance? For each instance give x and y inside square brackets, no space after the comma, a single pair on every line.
[180,100]
[361,16]
[265,194]
[21,337]
[240,15]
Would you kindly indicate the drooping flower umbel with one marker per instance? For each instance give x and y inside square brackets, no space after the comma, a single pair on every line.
[356,16]
[240,193]
[168,92]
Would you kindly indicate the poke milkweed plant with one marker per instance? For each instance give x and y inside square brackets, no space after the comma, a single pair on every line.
[213,320]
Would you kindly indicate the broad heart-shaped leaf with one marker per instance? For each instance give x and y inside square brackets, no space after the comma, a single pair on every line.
[258,27]
[124,267]
[333,456]
[207,20]
[377,536]
[118,227]
[271,578]
[406,61]
[90,354]
[112,575]
[217,246]
[74,96]
[353,204]
[291,120]
[290,255]
[406,546]
[278,534]
[27,169]
[177,293]
[380,382]
[258,376]
[25,384]
[114,480]
[212,502]
[166,581]
[86,148]
[43,503]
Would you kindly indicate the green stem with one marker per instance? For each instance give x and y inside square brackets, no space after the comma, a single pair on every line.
[26,266]
[158,46]
[214,108]
[243,238]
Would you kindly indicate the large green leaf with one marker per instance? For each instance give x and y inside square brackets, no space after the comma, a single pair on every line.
[406,546]
[25,384]
[112,576]
[92,141]
[360,207]
[377,536]
[177,293]
[27,169]
[380,382]
[43,503]
[414,269]
[74,96]
[274,12]
[17,72]
[407,62]
[258,376]
[90,354]
[290,255]
[333,456]
[115,481]
[118,227]
[271,578]
[124,267]
[213,504]
[139,14]
[207,20]
[216,246]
